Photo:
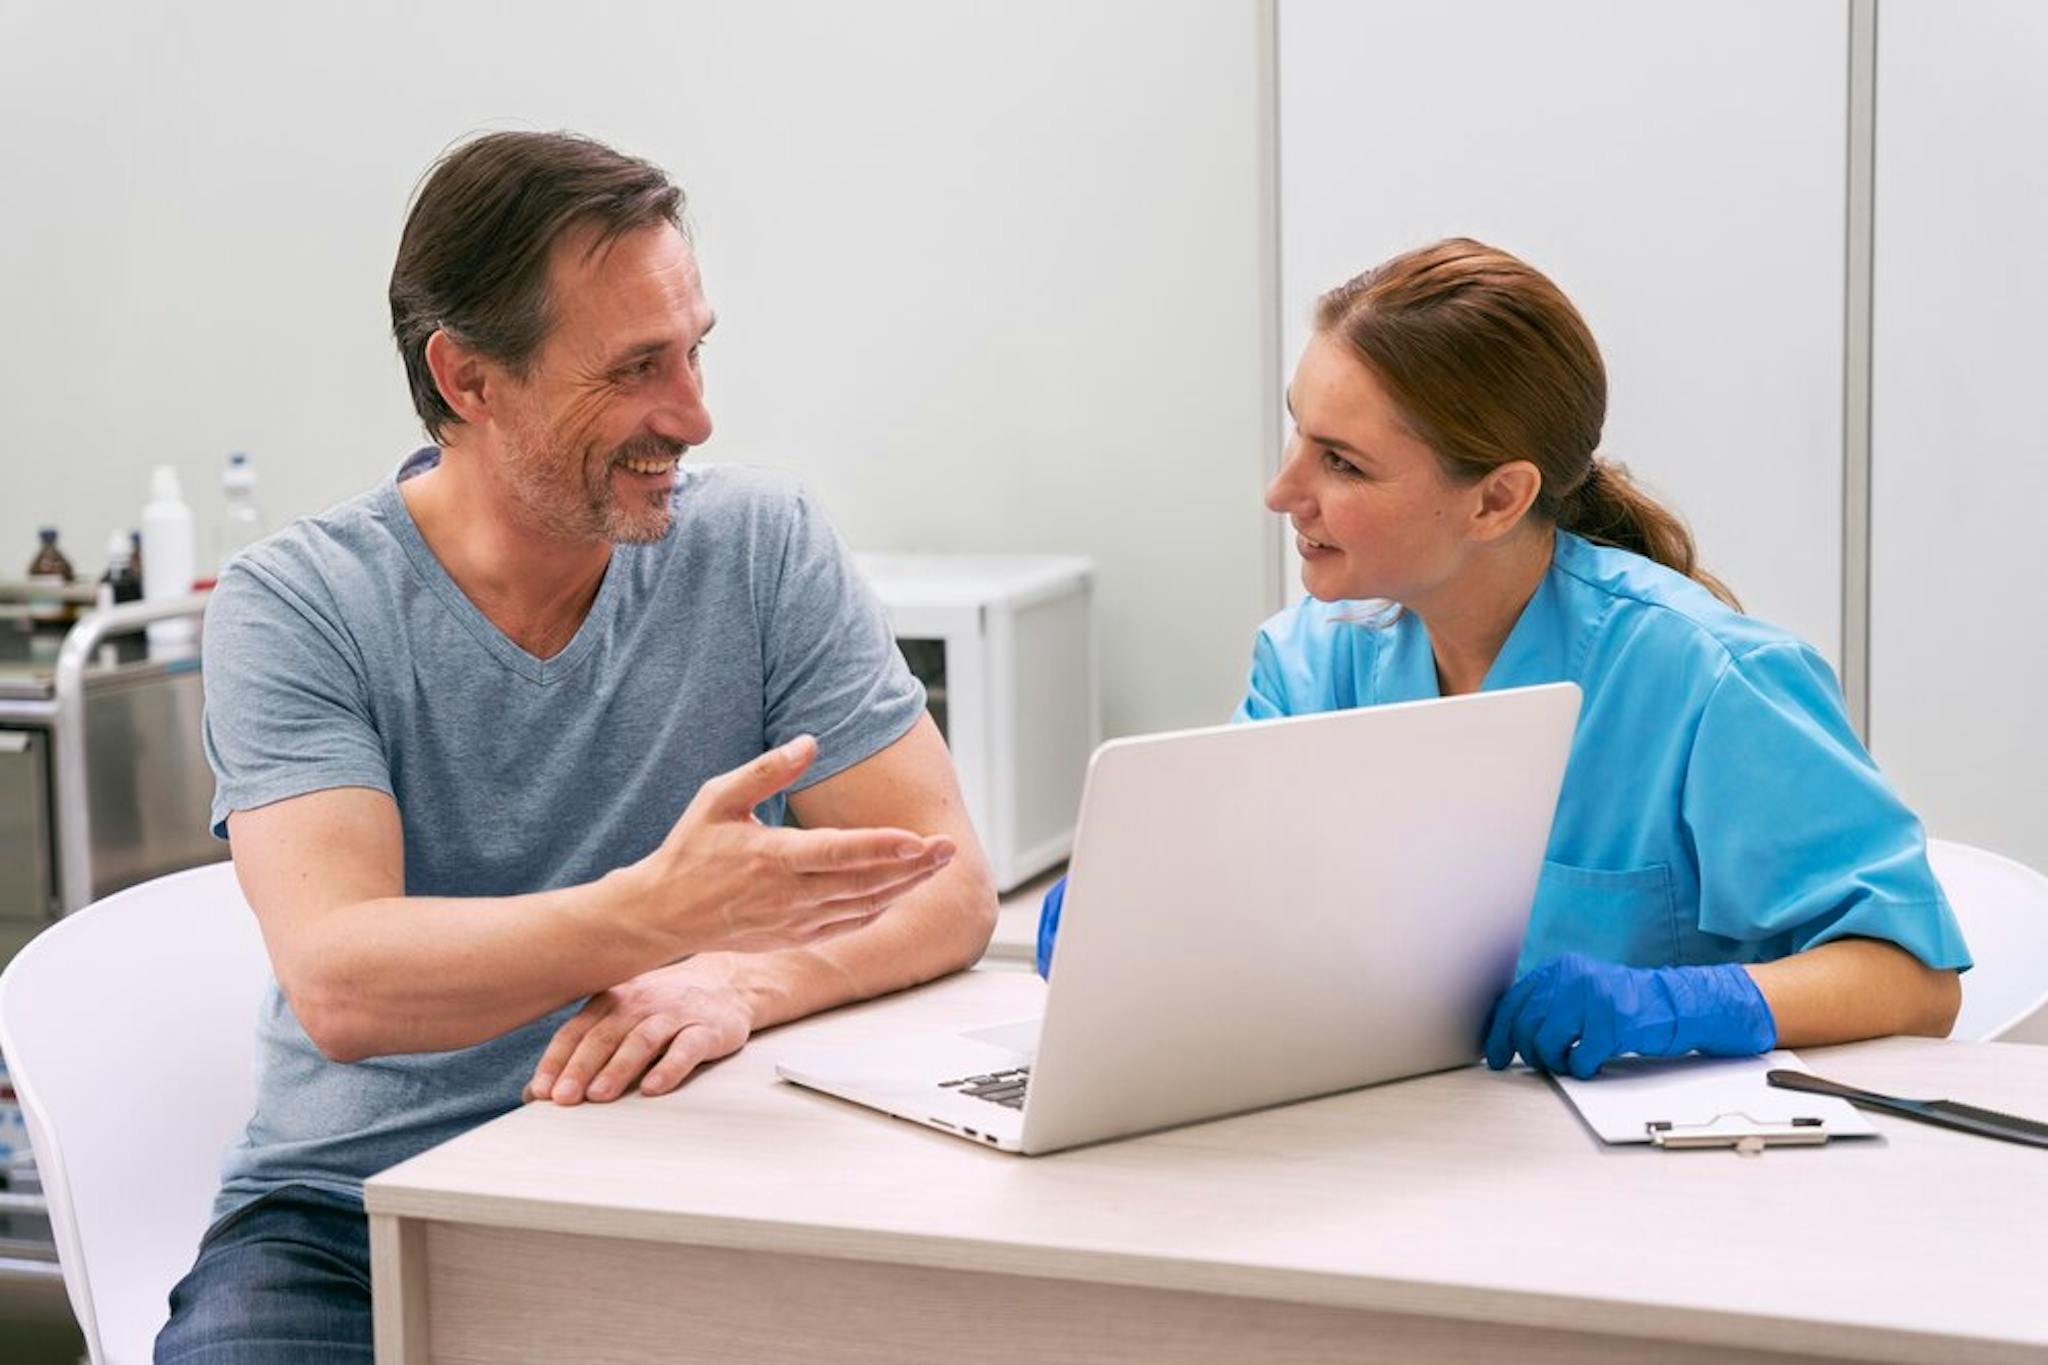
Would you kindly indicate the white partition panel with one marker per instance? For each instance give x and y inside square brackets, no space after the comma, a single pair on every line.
[1959,450]
[1678,169]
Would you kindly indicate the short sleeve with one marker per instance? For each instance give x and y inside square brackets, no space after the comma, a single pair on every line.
[286,705]
[830,664]
[1265,694]
[1310,658]
[1798,835]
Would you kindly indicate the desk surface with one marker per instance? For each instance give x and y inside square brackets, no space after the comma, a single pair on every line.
[1015,941]
[1468,1194]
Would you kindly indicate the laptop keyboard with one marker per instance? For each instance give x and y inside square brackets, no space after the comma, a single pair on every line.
[997,1087]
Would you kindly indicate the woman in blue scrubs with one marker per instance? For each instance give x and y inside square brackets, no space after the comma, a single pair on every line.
[1727,871]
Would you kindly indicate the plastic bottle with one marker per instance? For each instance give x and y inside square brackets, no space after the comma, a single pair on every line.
[50,569]
[241,523]
[167,559]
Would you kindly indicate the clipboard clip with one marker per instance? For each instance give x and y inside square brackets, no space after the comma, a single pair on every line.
[1745,1134]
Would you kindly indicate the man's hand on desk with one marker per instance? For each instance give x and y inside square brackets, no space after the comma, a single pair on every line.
[656,1029]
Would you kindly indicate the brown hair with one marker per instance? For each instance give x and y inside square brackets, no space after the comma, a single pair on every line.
[473,259]
[1488,362]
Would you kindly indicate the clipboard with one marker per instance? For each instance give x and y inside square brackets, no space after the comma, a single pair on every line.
[1694,1102]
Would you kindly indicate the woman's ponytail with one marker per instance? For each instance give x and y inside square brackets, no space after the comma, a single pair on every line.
[1608,506]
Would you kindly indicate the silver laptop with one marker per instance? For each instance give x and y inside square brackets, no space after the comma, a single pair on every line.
[1257,914]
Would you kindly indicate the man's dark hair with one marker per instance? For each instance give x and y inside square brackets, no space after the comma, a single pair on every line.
[473,260]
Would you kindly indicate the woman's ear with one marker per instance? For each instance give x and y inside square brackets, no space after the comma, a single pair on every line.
[1505,497]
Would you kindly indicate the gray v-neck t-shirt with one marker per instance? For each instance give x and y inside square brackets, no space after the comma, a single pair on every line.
[339,653]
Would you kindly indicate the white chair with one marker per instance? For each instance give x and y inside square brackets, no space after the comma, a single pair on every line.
[129,1030]
[2003,908]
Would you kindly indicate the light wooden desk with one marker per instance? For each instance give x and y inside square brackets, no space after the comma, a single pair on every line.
[1464,1216]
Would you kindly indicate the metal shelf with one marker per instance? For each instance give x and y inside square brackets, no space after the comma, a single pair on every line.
[24,1203]
[29,1269]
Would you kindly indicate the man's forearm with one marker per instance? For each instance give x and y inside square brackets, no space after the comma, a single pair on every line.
[428,974]
[940,928]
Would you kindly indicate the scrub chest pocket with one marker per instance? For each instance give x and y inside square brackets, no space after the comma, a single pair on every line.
[1628,916]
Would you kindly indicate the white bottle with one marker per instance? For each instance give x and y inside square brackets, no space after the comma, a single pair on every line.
[241,522]
[168,557]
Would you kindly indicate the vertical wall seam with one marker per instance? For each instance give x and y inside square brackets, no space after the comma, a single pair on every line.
[1861,226]
[1267,45]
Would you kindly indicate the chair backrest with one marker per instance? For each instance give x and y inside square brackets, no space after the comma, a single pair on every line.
[129,1030]
[2003,908]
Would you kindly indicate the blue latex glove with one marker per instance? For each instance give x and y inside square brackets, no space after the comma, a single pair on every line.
[1573,1013]
[1049,924]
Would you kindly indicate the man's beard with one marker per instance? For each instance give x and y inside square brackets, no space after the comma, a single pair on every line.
[567,497]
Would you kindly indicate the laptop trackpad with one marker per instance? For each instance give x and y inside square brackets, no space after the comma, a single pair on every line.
[1020,1036]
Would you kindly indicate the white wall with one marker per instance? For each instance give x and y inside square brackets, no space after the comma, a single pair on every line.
[1959,451]
[1679,170]
[987,275]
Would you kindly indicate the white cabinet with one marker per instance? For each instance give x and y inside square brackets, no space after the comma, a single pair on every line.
[1004,645]
[1959,447]
[1680,170]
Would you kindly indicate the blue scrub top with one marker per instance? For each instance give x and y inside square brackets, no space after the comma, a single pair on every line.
[1717,807]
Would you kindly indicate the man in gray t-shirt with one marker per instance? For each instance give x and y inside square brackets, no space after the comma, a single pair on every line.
[502,745]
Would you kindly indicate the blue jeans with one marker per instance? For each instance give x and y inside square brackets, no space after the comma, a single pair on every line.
[284,1278]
